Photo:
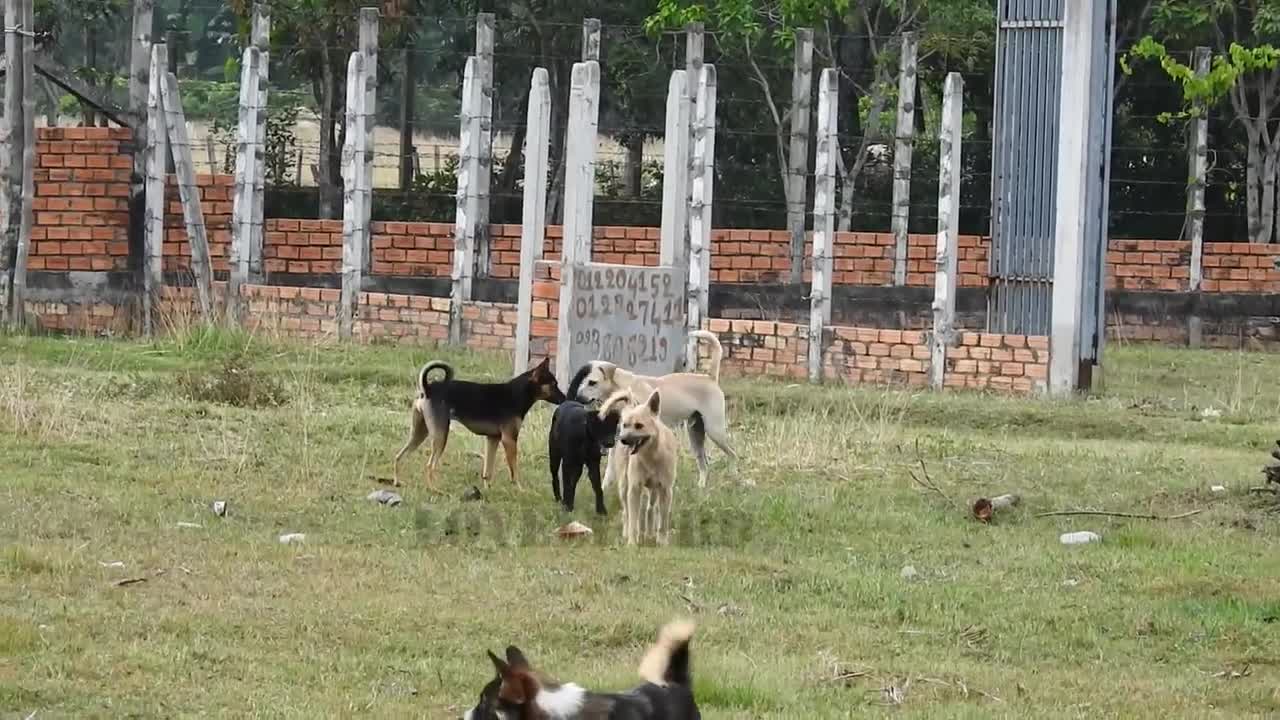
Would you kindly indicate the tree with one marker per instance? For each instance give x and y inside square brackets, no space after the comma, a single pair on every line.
[315,38]
[548,34]
[58,22]
[1245,70]
[860,38]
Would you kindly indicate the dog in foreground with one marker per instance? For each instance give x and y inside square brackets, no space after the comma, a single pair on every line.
[648,473]
[495,411]
[692,398]
[519,692]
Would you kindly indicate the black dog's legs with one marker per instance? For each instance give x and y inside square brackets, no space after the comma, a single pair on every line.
[555,468]
[571,472]
[593,472]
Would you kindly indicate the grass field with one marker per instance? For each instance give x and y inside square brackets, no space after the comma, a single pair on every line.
[791,560]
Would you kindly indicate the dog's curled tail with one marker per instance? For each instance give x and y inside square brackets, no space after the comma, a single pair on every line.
[667,662]
[433,365]
[717,351]
[613,403]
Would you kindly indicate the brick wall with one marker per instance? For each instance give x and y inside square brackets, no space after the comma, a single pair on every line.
[302,246]
[545,310]
[82,218]
[402,318]
[738,256]
[853,355]
[312,313]
[1241,268]
[81,204]
[764,256]
[1002,362]
[873,355]
[757,347]
[489,326]
[216,193]
[413,249]
[1242,332]
[94,318]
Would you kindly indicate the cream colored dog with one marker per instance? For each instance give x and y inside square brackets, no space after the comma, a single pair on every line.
[692,398]
[647,477]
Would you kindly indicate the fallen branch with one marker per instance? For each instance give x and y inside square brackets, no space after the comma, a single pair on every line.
[927,483]
[1136,516]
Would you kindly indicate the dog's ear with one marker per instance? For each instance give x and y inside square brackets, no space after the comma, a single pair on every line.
[654,402]
[516,659]
[607,369]
[498,664]
[544,366]
[518,688]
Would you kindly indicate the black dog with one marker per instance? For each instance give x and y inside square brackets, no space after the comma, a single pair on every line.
[521,692]
[578,438]
[495,411]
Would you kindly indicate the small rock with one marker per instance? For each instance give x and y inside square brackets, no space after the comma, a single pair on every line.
[908,573]
[472,494]
[573,530]
[1218,488]
[219,508]
[385,497]
[1001,502]
[1210,413]
[1079,538]
[189,525]
[729,610]
[115,564]
[290,538]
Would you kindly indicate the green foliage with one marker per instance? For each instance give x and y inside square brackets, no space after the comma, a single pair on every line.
[610,181]
[431,195]
[1200,92]
[210,100]
[220,103]
[745,20]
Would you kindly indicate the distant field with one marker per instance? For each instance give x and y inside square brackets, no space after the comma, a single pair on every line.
[432,149]
[792,560]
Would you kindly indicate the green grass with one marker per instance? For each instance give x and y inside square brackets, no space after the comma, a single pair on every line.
[791,560]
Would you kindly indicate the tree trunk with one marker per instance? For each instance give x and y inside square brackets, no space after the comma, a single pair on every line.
[850,49]
[503,194]
[849,179]
[1274,236]
[407,82]
[1253,194]
[1268,214]
[922,101]
[633,167]
[559,126]
[325,180]
[89,117]
[51,117]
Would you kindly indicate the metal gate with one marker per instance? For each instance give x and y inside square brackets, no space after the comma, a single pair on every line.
[1093,318]
[1024,155]
[1024,190]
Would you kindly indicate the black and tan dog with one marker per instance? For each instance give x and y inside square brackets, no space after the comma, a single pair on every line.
[495,411]
[521,693]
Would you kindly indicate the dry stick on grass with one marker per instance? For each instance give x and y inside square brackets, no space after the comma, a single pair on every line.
[927,483]
[1136,516]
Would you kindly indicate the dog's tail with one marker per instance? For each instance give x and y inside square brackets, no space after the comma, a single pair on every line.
[614,403]
[667,662]
[433,365]
[717,352]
